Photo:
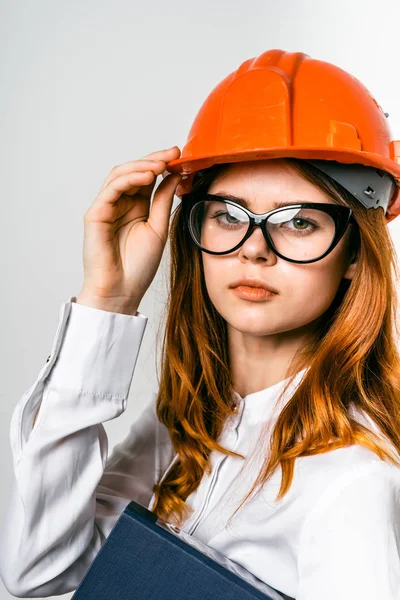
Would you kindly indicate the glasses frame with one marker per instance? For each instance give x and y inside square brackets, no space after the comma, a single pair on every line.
[342,216]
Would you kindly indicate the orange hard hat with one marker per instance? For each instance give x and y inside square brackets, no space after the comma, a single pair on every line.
[287,104]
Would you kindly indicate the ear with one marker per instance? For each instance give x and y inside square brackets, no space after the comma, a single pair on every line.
[349,273]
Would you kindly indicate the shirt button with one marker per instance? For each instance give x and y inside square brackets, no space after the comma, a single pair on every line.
[175,528]
[48,358]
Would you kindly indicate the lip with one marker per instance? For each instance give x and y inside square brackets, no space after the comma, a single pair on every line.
[255,294]
[253,283]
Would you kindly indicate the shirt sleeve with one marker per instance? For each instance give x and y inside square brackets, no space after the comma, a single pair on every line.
[350,543]
[66,494]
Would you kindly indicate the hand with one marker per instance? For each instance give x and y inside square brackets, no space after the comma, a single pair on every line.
[124,237]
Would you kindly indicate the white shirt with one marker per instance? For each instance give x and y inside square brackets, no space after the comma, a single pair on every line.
[334,536]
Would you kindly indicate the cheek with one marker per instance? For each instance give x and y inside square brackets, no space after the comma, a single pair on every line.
[310,295]
[215,275]
[309,290]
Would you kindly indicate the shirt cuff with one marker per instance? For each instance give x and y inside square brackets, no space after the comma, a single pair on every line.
[94,350]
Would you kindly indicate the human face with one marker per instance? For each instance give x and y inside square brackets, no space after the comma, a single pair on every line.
[304,291]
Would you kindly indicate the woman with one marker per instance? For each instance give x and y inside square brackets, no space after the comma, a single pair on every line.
[274,435]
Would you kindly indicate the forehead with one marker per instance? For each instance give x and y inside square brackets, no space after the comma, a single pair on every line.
[264,182]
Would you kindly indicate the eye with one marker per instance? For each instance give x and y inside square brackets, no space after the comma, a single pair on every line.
[305,227]
[304,221]
[227,221]
[226,215]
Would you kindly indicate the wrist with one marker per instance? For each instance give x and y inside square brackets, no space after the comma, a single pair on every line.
[109,305]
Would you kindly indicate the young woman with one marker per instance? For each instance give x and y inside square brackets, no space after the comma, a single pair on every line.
[274,436]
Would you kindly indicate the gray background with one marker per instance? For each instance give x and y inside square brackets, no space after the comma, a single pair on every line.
[89,84]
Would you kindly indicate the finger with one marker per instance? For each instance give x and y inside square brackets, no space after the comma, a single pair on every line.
[160,210]
[157,166]
[166,155]
[156,161]
[125,184]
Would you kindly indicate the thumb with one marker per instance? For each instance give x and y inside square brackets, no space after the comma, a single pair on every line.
[160,209]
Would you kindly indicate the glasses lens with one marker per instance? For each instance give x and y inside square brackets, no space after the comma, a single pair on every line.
[217,225]
[297,233]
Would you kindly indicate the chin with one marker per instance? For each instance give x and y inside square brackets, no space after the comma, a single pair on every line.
[249,319]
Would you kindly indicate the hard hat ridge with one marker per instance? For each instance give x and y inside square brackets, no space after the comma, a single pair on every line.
[287,104]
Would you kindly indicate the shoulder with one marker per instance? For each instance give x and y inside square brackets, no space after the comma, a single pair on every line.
[349,541]
[370,480]
[365,496]
[322,471]
[340,481]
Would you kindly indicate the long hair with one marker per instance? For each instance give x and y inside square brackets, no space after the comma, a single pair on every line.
[351,357]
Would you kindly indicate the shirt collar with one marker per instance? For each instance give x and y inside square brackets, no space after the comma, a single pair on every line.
[257,406]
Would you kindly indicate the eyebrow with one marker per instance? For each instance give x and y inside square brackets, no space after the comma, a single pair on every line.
[243,202]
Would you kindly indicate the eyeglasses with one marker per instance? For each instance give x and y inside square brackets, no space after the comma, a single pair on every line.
[299,233]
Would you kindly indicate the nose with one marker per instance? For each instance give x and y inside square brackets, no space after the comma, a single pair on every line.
[256,247]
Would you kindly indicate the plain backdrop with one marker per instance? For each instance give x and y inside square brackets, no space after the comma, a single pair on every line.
[89,84]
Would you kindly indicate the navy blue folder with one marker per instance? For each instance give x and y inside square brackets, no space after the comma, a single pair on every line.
[146,558]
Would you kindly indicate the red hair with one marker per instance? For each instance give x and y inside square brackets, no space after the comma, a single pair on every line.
[352,358]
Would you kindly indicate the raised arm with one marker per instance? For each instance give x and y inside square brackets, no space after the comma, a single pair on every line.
[67,494]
